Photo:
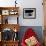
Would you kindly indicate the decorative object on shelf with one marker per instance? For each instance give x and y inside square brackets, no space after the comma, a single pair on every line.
[7,34]
[15,34]
[13,12]
[29,13]
[5,12]
[15,37]
[15,30]
[6,21]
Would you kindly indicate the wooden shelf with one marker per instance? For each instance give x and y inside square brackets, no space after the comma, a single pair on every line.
[4,13]
[8,8]
[9,43]
[11,26]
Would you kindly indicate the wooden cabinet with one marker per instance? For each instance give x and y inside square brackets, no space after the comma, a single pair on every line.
[9,25]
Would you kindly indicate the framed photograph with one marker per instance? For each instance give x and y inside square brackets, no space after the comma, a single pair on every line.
[5,12]
[29,13]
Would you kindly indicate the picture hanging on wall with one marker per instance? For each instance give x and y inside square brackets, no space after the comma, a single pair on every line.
[29,13]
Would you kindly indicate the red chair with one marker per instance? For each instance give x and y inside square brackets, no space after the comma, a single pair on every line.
[29,33]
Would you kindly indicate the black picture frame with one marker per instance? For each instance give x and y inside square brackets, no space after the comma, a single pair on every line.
[29,13]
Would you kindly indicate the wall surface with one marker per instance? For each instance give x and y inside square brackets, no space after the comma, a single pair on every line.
[39,13]
[27,4]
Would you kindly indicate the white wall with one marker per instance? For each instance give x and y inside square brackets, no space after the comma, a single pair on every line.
[27,4]
[39,13]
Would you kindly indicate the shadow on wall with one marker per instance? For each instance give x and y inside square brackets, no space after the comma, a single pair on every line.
[37,29]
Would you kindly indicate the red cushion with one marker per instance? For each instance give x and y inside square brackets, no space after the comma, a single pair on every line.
[29,33]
